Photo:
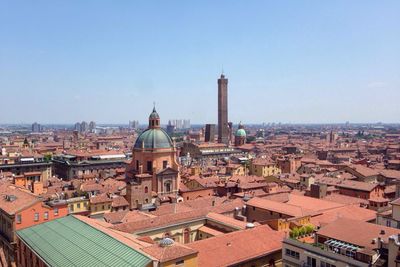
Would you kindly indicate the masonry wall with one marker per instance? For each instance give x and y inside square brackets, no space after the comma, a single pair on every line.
[28,215]
[255,214]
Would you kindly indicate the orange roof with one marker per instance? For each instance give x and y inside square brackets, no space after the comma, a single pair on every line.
[229,221]
[237,247]
[168,253]
[357,232]
[311,203]
[23,199]
[283,208]
[210,231]
[178,217]
[119,202]
[350,212]
[103,198]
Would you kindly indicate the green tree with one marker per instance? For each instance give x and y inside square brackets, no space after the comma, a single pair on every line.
[309,228]
[48,157]
[294,233]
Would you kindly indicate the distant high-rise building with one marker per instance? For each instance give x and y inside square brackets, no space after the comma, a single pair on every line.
[223,129]
[186,124]
[180,124]
[36,127]
[210,133]
[134,124]
[84,126]
[77,126]
[92,126]
[170,128]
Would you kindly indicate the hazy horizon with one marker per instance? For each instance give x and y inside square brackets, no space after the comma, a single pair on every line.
[291,62]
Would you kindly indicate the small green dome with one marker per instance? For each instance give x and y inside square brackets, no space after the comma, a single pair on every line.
[153,138]
[240,133]
[154,114]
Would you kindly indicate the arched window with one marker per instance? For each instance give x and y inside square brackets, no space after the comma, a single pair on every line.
[146,189]
[186,236]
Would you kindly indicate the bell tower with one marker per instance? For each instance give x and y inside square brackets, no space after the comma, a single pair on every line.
[154,119]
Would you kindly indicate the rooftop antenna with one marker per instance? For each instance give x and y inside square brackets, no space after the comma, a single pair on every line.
[222,70]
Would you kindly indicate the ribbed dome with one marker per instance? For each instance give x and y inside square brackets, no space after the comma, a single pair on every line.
[154,114]
[154,138]
[240,133]
[166,241]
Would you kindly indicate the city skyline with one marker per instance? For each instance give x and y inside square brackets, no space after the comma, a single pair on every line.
[289,63]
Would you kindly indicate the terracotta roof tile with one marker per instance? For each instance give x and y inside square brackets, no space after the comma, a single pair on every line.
[22,199]
[168,253]
[236,247]
[356,232]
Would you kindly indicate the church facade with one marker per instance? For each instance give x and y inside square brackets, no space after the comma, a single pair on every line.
[154,170]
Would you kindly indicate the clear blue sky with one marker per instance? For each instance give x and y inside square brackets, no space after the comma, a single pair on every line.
[287,61]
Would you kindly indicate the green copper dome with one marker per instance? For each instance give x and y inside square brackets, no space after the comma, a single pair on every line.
[240,132]
[154,138]
[154,114]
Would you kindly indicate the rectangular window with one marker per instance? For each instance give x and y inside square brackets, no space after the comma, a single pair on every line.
[312,262]
[165,164]
[292,253]
[56,211]
[46,215]
[19,218]
[78,205]
[36,216]
[149,166]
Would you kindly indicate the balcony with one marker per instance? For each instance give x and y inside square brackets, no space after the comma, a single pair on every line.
[319,251]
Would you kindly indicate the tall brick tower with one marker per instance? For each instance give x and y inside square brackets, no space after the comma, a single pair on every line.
[223,131]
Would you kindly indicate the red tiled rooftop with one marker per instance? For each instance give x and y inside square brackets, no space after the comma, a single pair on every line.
[23,199]
[168,253]
[283,208]
[236,247]
[357,232]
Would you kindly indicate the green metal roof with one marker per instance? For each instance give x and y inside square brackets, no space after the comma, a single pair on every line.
[153,138]
[240,132]
[154,114]
[70,242]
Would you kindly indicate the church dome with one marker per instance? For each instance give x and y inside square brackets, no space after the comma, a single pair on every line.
[154,114]
[240,133]
[154,138]
[166,242]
